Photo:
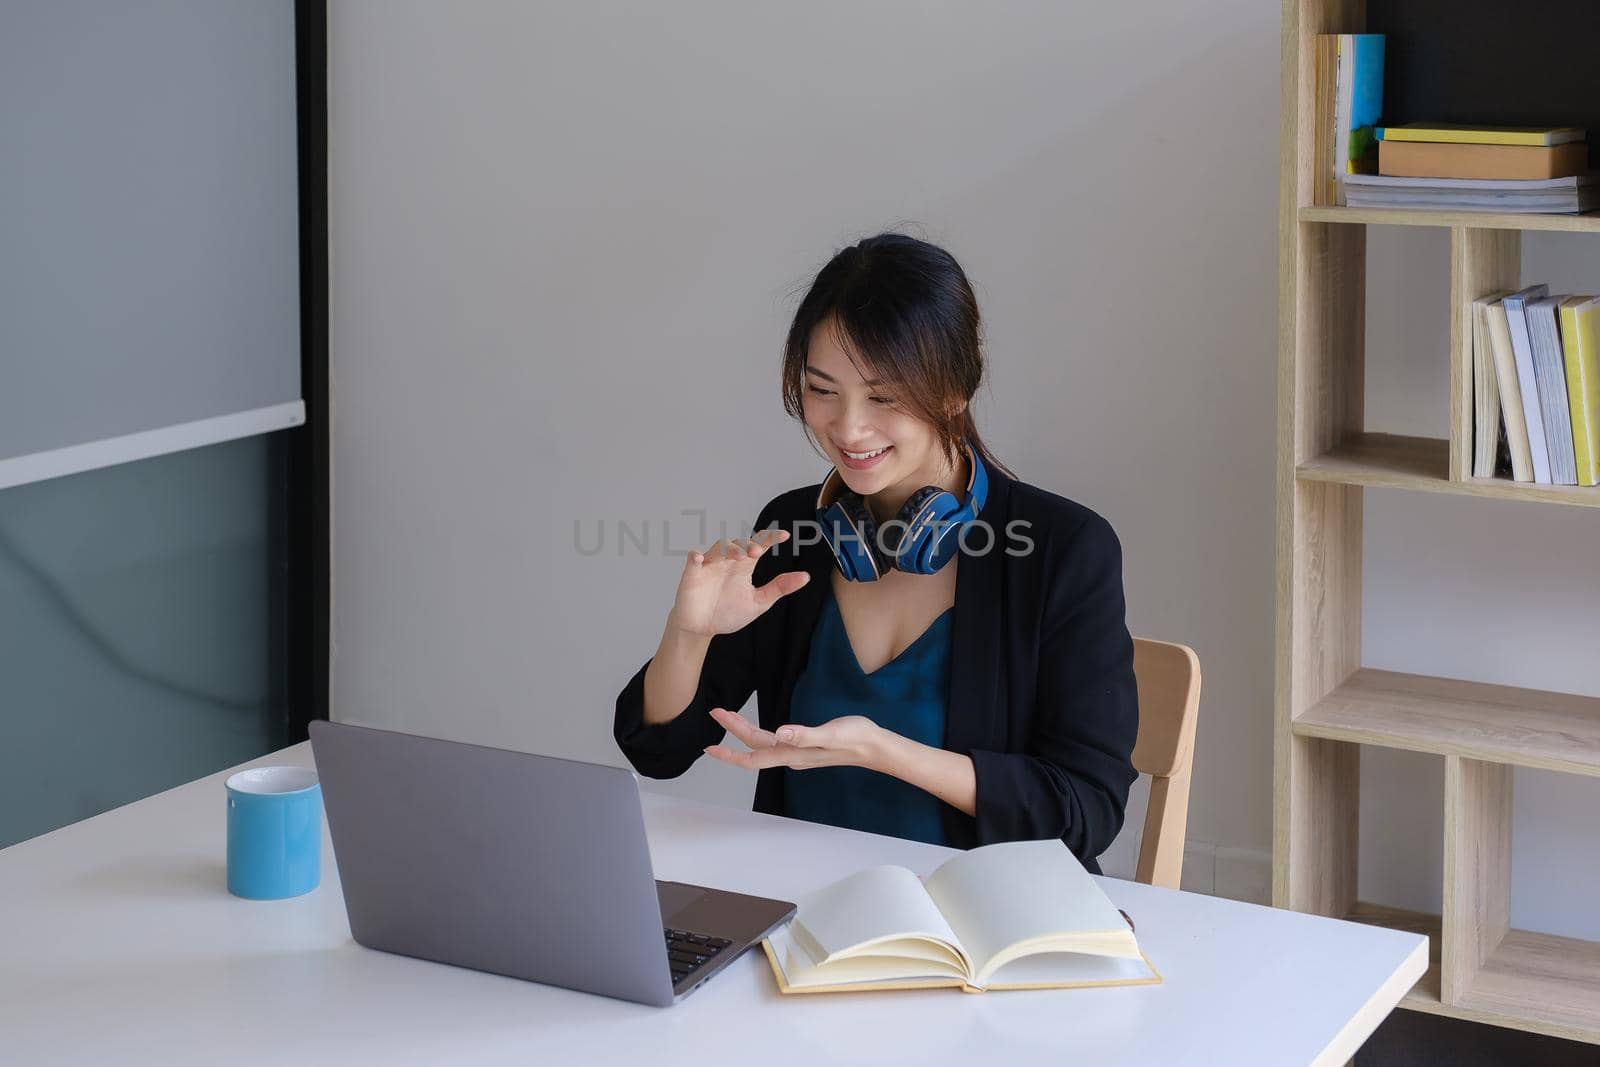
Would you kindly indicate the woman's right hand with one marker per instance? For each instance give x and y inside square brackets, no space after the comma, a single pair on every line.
[717,593]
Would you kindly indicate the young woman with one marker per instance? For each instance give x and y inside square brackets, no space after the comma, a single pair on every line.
[938,650]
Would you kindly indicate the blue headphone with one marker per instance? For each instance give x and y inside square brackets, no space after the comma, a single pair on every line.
[922,538]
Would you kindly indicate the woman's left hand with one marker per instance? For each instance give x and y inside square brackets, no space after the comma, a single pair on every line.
[850,740]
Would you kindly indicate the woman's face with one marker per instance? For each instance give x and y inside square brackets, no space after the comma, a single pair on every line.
[875,443]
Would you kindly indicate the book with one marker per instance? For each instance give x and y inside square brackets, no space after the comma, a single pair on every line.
[1522,349]
[1358,105]
[1456,133]
[1420,159]
[1485,391]
[1550,372]
[1505,372]
[1580,340]
[1554,196]
[1014,915]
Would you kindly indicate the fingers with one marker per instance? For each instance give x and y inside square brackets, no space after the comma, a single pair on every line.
[802,736]
[747,760]
[741,549]
[765,539]
[729,548]
[797,747]
[781,586]
[740,727]
[762,758]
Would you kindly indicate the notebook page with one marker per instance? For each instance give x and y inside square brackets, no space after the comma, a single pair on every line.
[874,905]
[800,971]
[1064,969]
[999,895]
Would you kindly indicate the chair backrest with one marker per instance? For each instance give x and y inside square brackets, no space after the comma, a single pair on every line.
[1169,703]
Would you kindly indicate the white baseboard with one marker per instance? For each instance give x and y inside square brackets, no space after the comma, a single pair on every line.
[1221,871]
[1199,868]
[1216,870]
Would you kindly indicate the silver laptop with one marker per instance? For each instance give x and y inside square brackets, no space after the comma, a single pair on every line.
[518,864]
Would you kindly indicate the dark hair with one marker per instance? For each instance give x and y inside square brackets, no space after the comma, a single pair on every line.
[906,309]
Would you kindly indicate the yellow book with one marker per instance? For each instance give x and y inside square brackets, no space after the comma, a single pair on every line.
[1451,133]
[1015,915]
[1580,342]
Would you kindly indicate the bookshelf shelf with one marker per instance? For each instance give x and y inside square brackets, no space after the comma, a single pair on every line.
[1478,220]
[1422,464]
[1328,706]
[1388,461]
[1449,717]
[1538,982]
[1424,996]
[1531,981]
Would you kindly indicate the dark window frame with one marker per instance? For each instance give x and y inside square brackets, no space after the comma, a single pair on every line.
[308,546]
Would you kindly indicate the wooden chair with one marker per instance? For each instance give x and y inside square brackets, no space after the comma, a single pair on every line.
[1169,703]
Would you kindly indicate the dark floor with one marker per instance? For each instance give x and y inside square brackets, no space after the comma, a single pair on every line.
[1416,1039]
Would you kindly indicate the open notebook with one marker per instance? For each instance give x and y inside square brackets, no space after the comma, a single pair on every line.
[1017,915]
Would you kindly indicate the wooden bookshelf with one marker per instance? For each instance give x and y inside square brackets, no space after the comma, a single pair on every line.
[1328,707]
[1532,981]
[1449,717]
[1422,464]
[1482,220]
[1424,996]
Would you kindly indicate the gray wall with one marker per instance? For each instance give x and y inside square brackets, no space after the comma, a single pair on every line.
[566,244]
[149,250]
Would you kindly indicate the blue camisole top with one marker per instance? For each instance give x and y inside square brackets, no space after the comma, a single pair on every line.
[907,695]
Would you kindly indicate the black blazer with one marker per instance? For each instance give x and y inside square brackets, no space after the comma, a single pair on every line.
[1042,694]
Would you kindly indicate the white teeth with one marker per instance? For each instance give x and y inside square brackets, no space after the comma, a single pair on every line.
[866,455]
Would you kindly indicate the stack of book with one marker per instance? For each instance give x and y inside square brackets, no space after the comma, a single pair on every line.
[1524,170]
[1536,387]
[1349,102]
[1443,151]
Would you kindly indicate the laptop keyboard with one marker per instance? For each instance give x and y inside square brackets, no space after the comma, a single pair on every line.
[687,952]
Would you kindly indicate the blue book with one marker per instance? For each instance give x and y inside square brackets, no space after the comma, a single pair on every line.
[1360,114]
[1516,306]
[1550,372]
[1367,99]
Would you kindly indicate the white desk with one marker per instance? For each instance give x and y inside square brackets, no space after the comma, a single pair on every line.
[120,944]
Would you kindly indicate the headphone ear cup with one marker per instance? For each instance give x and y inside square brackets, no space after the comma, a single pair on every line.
[937,550]
[839,531]
[914,554]
[868,529]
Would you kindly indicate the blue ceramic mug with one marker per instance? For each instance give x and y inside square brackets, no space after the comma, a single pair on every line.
[274,832]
